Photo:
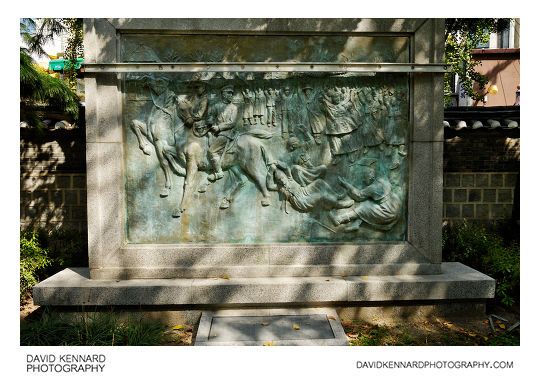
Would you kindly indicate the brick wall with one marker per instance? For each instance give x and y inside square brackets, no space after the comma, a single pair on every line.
[53,178]
[483,196]
[481,173]
[481,150]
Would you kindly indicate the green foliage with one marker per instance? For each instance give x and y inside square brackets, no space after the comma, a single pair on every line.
[36,87]
[462,35]
[505,339]
[376,336]
[44,253]
[404,338]
[74,48]
[96,329]
[67,248]
[34,258]
[487,252]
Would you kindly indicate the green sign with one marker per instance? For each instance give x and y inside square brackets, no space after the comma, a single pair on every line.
[61,64]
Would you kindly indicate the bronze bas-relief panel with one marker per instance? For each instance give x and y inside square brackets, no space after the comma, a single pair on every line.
[270,157]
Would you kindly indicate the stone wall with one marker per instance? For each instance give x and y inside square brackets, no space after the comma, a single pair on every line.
[481,174]
[53,178]
[481,169]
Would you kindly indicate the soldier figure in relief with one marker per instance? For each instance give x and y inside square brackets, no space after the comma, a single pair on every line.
[222,122]
[341,125]
[286,112]
[259,110]
[249,106]
[371,132]
[271,96]
[313,116]
[393,131]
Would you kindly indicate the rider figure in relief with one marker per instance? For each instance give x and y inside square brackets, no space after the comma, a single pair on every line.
[222,120]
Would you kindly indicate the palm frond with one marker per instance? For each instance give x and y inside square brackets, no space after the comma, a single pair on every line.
[35,35]
[39,88]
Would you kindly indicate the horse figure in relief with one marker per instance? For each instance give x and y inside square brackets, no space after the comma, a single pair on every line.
[192,148]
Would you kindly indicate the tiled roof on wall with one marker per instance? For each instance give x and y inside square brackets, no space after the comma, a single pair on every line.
[458,118]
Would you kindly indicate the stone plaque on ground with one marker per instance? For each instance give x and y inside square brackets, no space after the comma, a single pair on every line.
[299,327]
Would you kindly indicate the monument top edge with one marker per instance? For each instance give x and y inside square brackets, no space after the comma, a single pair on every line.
[361,25]
[265,66]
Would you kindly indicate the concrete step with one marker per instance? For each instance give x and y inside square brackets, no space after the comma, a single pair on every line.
[72,287]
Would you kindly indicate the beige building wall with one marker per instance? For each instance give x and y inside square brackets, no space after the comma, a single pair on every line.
[501,64]
[502,67]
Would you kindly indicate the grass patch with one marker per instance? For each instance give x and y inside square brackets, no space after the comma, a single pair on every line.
[96,329]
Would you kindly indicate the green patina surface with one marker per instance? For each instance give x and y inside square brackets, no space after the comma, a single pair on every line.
[264,48]
[305,157]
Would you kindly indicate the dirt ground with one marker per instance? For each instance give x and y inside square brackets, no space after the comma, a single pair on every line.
[439,331]
[27,308]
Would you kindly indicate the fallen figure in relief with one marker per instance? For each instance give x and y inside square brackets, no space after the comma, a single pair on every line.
[377,205]
[303,188]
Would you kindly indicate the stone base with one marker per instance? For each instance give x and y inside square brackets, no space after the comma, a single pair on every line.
[387,313]
[456,283]
[135,261]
